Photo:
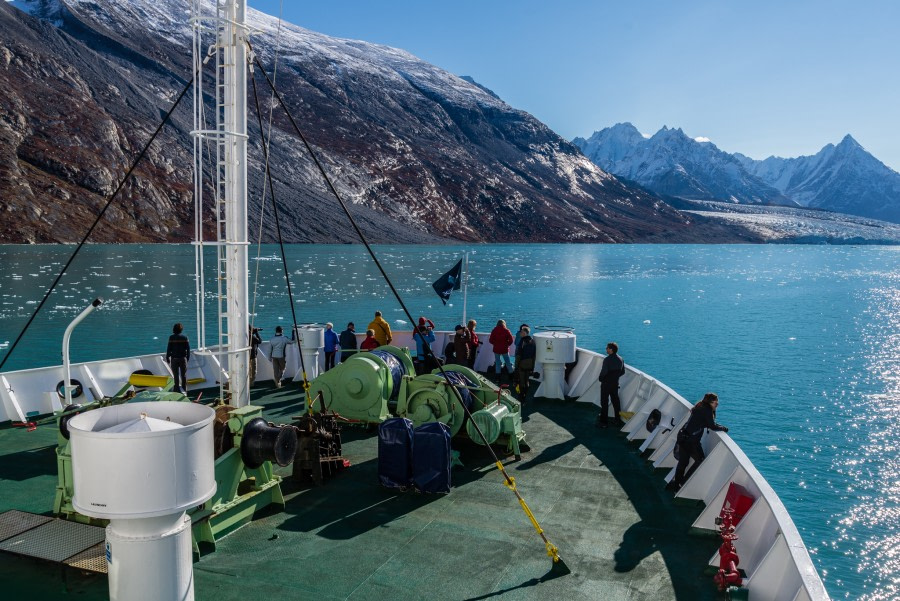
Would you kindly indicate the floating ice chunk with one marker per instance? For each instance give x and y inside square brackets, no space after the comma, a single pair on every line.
[772,447]
[401,321]
[646,322]
[792,338]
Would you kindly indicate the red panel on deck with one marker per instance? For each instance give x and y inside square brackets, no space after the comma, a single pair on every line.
[738,499]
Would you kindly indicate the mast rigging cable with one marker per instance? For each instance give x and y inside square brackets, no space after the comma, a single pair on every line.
[109,202]
[558,565]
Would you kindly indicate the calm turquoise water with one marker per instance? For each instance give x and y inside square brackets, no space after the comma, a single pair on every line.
[801,343]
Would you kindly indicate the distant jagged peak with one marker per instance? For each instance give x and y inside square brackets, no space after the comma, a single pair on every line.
[670,133]
[849,143]
[625,127]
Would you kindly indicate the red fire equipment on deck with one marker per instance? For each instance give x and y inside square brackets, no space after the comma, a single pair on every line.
[728,574]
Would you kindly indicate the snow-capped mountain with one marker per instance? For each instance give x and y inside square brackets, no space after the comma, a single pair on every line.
[843,178]
[669,162]
[420,153]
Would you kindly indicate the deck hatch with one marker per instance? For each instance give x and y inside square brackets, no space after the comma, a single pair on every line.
[56,540]
[15,522]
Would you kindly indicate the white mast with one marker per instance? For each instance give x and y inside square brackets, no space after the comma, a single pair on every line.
[465,287]
[230,186]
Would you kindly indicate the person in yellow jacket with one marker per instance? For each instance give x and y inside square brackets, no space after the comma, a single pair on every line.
[382,329]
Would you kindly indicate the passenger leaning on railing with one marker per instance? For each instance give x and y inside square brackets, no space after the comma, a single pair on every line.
[703,417]
[178,352]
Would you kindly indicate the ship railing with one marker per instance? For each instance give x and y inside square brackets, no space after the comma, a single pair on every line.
[27,393]
[773,555]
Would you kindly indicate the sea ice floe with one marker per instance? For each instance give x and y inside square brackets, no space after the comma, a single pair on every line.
[646,322]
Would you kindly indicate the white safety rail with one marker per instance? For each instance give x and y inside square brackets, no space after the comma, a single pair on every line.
[27,393]
[772,553]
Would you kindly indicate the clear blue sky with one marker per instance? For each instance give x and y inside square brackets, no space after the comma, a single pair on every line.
[764,77]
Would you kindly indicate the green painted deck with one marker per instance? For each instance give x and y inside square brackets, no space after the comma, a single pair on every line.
[597,499]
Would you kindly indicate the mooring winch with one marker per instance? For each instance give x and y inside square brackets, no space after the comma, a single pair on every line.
[245,447]
[371,386]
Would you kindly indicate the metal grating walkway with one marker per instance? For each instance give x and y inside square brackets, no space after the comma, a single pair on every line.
[59,541]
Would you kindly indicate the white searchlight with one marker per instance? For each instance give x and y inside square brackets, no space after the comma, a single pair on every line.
[555,346]
[141,465]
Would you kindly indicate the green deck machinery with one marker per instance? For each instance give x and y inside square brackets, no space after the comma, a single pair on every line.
[497,414]
[372,386]
[362,387]
[245,448]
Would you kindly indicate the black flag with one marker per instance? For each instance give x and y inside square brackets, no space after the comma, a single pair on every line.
[448,282]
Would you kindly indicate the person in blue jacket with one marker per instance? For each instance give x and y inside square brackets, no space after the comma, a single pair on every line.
[331,345]
[424,361]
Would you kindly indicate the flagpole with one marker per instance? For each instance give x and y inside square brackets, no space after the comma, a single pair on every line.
[465,288]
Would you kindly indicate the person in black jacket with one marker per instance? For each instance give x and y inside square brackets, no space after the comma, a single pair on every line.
[703,417]
[526,351]
[347,340]
[255,341]
[177,354]
[613,369]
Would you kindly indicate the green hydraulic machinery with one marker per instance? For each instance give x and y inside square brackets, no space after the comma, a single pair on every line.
[371,386]
[245,448]
[493,409]
[365,386]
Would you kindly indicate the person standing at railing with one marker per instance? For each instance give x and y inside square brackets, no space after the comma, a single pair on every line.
[461,346]
[613,369]
[473,343]
[370,343]
[424,362]
[526,351]
[348,342]
[382,329]
[279,343]
[331,345]
[255,341]
[501,339]
[178,352]
[703,417]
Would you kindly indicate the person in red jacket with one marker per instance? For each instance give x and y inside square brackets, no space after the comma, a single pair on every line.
[473,342]
[370,342]
[501,339]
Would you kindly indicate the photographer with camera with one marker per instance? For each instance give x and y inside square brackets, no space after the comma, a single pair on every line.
[255,341]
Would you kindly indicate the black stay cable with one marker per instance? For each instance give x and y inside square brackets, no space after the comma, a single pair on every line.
[109,202]
[552,550]
[287,276]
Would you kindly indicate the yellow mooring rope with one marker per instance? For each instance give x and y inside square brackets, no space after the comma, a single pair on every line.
[510,482]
